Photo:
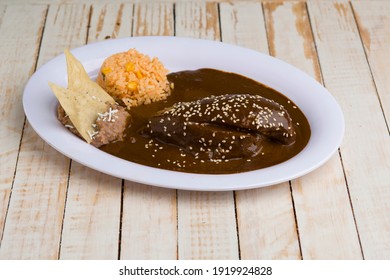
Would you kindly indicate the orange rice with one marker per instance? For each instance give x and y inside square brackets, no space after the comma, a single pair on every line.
[134,78]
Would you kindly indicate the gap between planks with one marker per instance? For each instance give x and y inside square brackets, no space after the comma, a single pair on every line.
[338,150]
[350,78]
[359,28]
[34,68]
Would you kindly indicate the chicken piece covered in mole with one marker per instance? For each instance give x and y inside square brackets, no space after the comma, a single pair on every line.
[223,127]
[109,127]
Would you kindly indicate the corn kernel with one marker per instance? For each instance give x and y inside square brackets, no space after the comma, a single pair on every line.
[129,67]
[106,70]
[132,86]
[139,74]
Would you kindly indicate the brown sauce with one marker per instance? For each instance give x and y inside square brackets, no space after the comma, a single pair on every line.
[194,85]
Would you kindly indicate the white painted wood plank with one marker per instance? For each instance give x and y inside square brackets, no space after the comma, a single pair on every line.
[149,219]
[66,27]
[206,220]
[93,209]
[290,36]
[198,20]
[110,21]
[150,1]
[5,183]
[320,198]
[154,19]
[20,33]
[365,150]
[33,225]
[206,225]
[374,24]
[92,216]
[34,217]
[266,222]
[149,223]
[242,24]
[2,11]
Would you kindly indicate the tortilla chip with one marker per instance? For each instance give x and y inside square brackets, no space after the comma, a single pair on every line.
[78,80]
[81,107]
[83,100]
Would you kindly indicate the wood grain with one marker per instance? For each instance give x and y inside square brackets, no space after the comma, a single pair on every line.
[290,36]
[206,225]
[110,21]
[206,220]
[151,1]
[2,11]
[242,24]
[198,20]
[265,216]
[92,215]
[93,208]
[366,159]
[18,52]
[320,198]
[374,22]
[53,208]
[34,219]
[153,19]
[149,223]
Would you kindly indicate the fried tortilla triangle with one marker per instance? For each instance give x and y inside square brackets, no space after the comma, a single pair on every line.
[78,80]
[81,107]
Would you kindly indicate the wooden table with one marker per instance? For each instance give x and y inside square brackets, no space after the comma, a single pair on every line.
[54,208]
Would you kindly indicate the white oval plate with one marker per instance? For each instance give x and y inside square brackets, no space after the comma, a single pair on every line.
[321,109]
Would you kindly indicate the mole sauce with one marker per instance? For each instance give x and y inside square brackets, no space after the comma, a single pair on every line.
[194,85]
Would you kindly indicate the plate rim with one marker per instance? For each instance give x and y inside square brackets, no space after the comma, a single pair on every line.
[184,181]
